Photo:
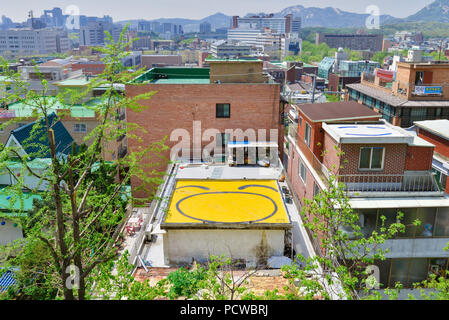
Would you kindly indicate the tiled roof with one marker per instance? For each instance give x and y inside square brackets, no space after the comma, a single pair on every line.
[337,111]
[378,94]
[35,142]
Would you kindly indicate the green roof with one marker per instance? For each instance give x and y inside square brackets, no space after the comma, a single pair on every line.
[79,82]
[233,60]
[175,76]
[12,205]
[26,109]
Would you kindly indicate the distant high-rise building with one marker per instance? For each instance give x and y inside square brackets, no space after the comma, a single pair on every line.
[94,33]
[156,27]
[144,26]
[278,25]
[56,19]
[296,25]
[205,27]
[372,42]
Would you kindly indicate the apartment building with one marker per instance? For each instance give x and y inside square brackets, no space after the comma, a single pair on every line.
[30,41]
[225,49]
[372,42]
[282,25]
[437,133]
[379,169]
[231,95]
[417,92]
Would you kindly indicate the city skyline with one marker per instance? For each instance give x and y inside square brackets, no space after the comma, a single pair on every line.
[197,9]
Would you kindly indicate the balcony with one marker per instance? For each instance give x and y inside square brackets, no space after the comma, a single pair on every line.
[387,185]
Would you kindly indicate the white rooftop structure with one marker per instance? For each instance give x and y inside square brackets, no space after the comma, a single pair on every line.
[372,133]
[437,127]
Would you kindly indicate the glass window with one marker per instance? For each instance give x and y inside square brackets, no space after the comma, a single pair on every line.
[316,189]
[302,171]
[399,271]
[371,158]
[438,266]
[80,127]
[384,271]
[419,269]
[442,223]
[223,110]
[390,218]
[367,221]
[427,218]
[308,133]
[376,159]
[365,154]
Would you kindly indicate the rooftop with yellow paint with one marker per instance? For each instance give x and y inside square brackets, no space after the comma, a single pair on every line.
[227,202]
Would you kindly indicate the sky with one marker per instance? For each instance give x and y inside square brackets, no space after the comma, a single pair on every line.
[198,9]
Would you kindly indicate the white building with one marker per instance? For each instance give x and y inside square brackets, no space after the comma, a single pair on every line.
[222,48]
[247,36]
[29,41]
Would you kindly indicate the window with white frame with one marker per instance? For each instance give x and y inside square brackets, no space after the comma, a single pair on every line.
[307,134]
[80,127]
[302,171]
[371,158]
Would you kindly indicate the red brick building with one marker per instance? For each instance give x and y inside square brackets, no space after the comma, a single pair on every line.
[385,170]
[437,133]
[93,68]
[186,96]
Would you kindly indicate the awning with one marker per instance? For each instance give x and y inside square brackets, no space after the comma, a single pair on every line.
[248,144]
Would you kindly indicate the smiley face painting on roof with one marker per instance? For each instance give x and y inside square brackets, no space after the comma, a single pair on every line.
[226,201]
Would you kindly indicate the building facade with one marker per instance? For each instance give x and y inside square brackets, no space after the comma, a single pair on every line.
[381,177]
[372,42]
[416,93]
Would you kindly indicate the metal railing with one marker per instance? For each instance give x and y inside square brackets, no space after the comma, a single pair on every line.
[383,183]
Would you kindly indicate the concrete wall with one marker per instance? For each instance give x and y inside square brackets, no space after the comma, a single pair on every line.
[416,248]
[237,72]
[151,61]
[250,245]
[9,233]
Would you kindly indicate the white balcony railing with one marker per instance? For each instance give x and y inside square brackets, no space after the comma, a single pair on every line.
[411,183]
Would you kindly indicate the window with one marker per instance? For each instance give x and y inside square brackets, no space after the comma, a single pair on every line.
[302,171]
[80,127]
[307,134]
[371,158]
[223,110]
[316,189]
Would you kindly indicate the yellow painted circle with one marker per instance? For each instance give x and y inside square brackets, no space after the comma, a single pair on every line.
[240,207]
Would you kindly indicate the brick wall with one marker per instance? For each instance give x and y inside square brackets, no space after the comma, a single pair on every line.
[394,163]
[173,107]
[441,144]
[419,158]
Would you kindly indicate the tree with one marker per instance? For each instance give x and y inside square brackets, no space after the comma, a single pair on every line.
[84,205]
[339,271]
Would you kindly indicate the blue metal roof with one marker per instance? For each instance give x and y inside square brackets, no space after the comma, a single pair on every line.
[7,280]
[38,146]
